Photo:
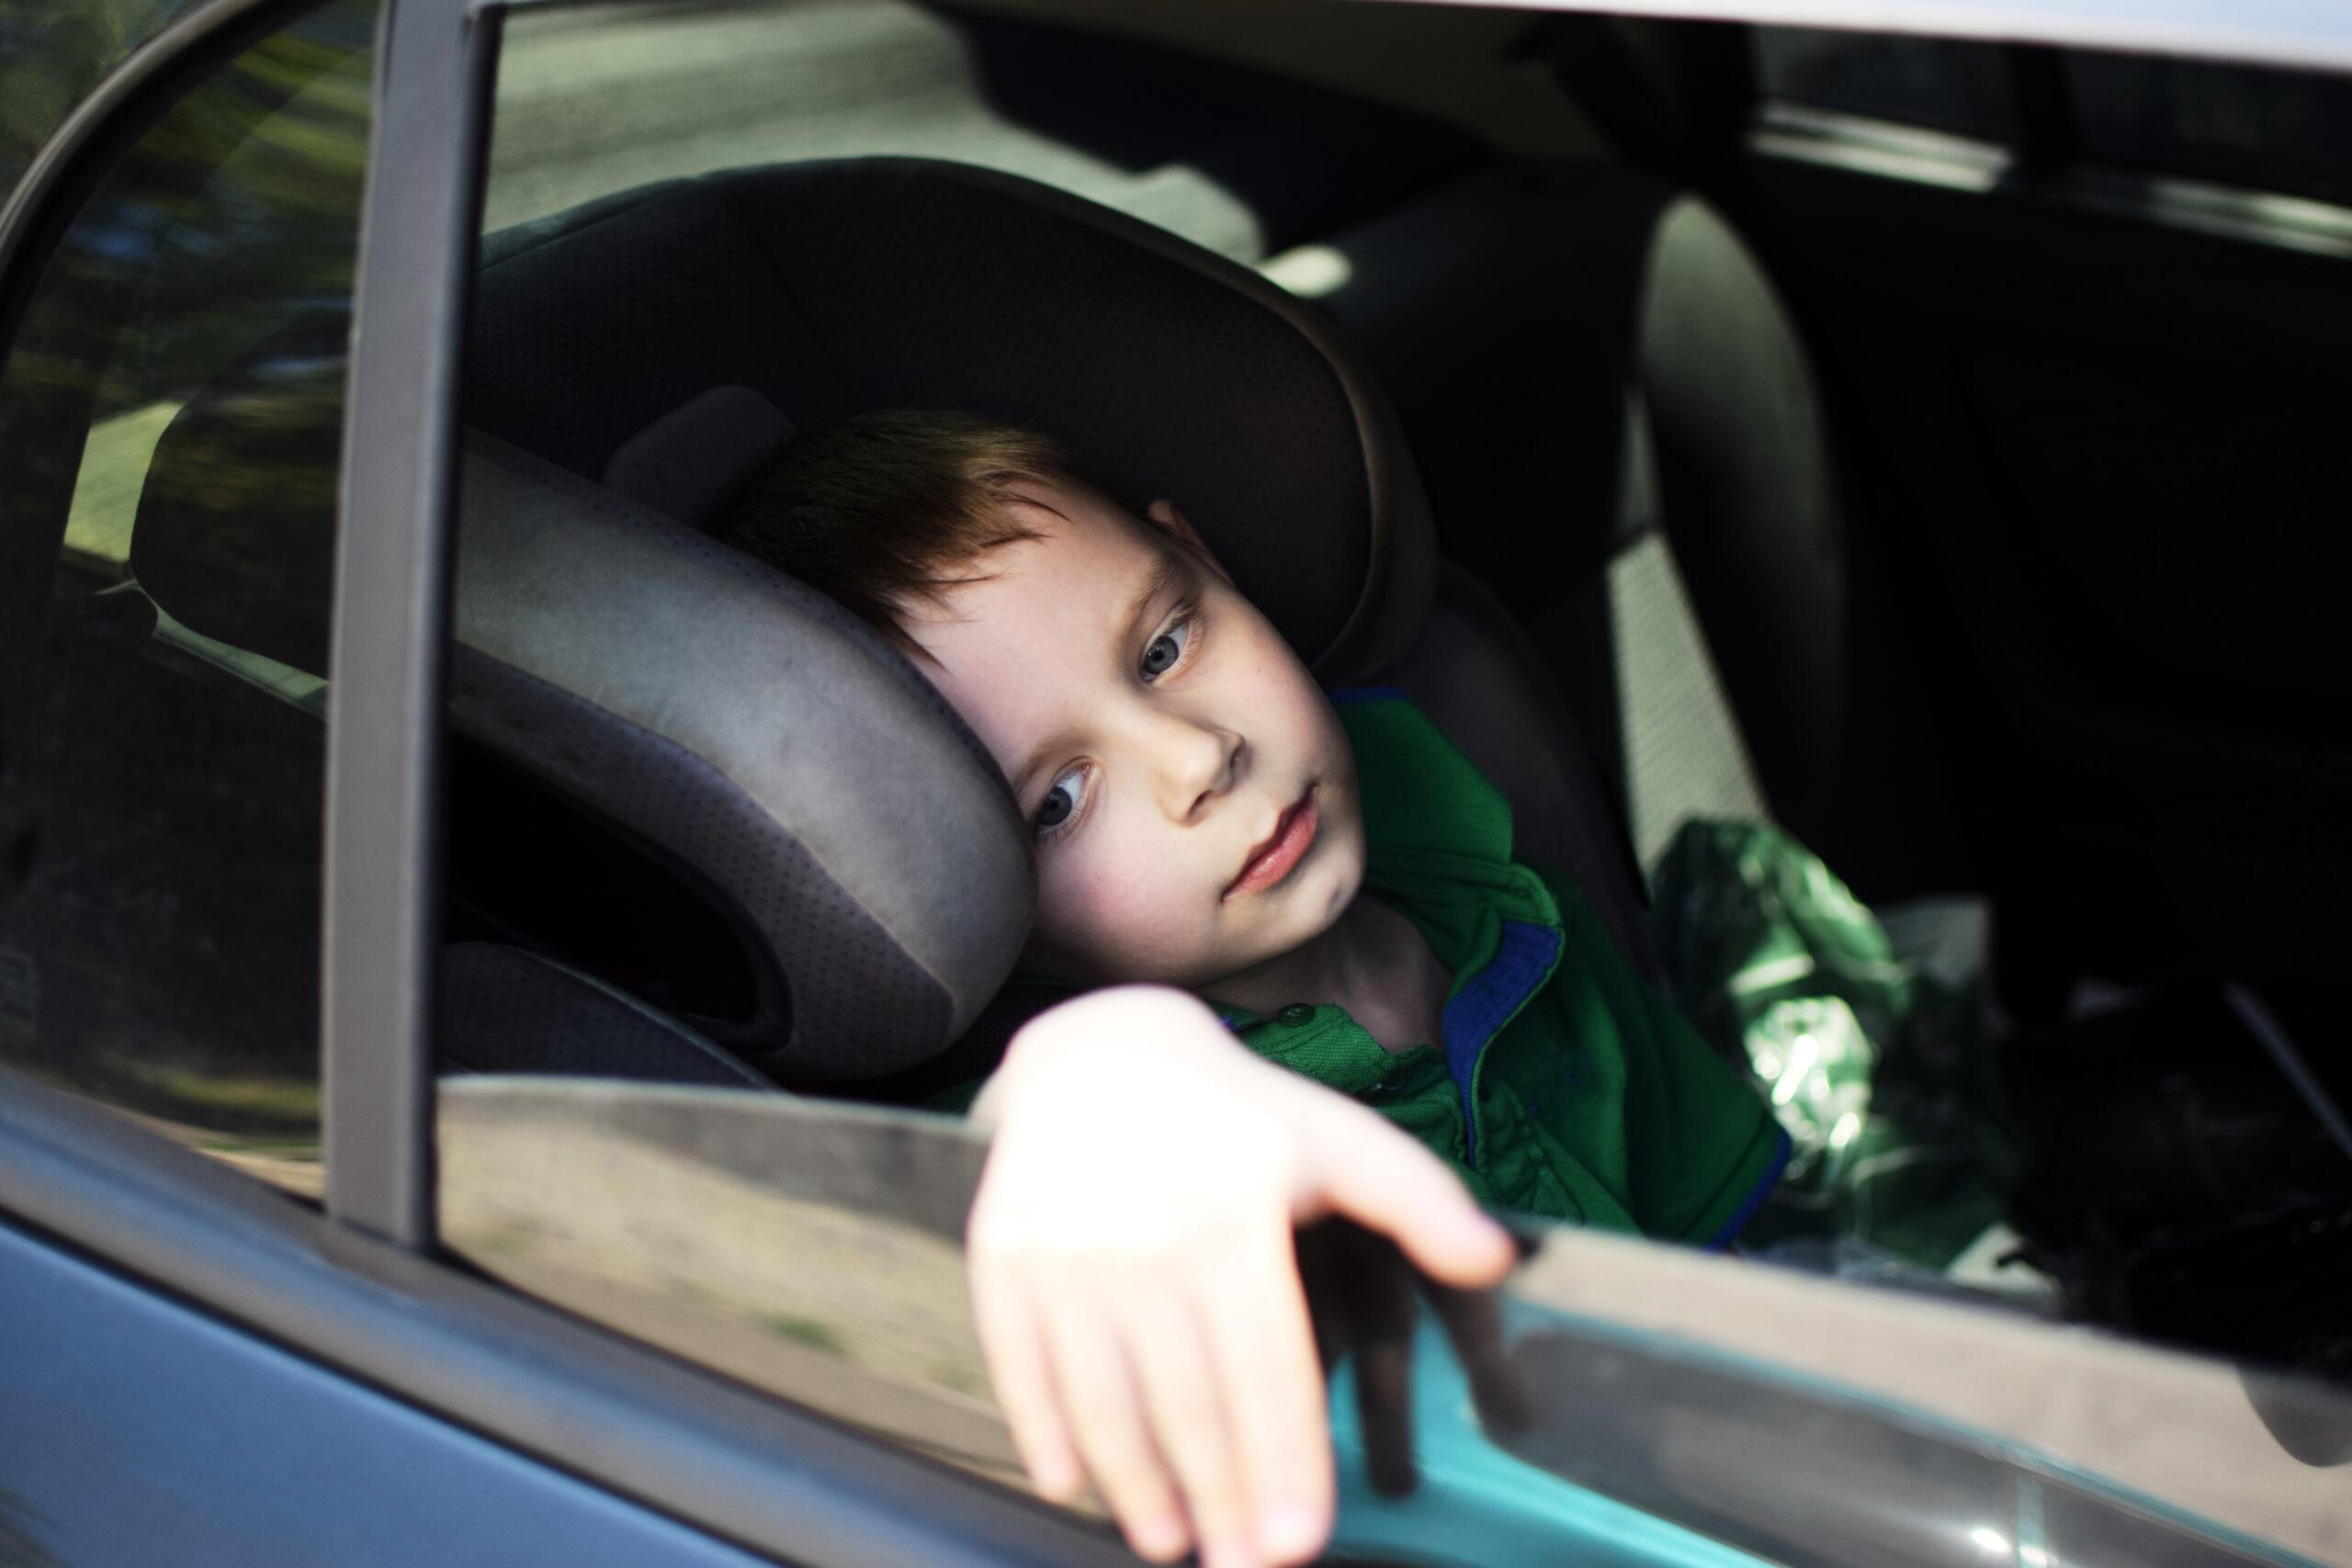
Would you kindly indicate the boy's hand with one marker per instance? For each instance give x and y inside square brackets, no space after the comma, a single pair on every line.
[1134,1276]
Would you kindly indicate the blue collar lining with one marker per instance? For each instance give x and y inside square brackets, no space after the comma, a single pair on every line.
[1755,1201]
[1523,962]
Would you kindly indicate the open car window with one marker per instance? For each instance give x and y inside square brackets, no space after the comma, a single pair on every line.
[1605,391]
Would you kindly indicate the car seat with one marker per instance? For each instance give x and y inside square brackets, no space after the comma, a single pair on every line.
[626,693]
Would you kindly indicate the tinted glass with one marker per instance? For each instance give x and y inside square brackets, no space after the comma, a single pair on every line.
[51,54]
[170,411]
[807,1248]
[1743,1461]
[1942,83]
[2272,129]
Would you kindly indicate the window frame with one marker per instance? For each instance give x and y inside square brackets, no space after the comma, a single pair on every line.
[436,63]
[358,1288]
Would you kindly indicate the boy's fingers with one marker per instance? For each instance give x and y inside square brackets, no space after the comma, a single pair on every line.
[1100,1400]
[1394,1185]
[1474,1322]
[1189,1419]
[1380,1315]
[1263,1352]
[1010,1338]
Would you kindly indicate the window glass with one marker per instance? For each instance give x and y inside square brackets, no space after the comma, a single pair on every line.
[51,55]
[2280,131]
[172,410]
[1942,83]
[810,1249]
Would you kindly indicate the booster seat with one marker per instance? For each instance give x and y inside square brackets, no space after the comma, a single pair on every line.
[656,735]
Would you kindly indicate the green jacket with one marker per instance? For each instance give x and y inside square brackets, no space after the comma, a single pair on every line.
[1565,1085]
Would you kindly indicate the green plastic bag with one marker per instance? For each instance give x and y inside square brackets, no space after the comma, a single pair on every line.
[1878,1071]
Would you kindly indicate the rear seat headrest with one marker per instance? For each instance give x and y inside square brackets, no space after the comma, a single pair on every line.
[829,289]
[692,459]
[777,749]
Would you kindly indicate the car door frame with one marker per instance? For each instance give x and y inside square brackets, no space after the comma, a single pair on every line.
[359,1289]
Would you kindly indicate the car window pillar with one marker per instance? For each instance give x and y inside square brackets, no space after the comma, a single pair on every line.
[435,60]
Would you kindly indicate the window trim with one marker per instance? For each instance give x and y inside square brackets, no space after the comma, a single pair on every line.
[436,63]
[1791,131]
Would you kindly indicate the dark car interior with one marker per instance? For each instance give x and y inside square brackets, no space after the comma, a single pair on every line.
[1998,485]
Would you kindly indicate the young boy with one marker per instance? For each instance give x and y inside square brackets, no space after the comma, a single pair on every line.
[1328,874]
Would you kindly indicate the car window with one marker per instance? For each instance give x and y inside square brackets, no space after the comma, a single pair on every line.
[2280,131]
[2246,151]
[172,405]
[734,1228]
[809,1249]
[642,341]
[51,55]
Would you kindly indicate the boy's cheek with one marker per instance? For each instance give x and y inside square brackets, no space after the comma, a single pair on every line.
[1119,924]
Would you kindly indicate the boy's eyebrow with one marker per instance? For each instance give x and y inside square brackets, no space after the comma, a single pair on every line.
[1155,585]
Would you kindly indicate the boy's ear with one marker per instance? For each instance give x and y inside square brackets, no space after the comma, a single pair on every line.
[1163,511]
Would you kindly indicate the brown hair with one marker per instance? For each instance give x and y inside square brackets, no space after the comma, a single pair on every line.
[882,509]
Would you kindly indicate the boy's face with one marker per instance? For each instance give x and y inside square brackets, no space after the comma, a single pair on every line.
[1193,794]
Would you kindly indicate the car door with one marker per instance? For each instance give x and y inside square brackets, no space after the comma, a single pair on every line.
[217,1347]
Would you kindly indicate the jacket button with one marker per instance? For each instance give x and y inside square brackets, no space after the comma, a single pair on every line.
[1294,1014]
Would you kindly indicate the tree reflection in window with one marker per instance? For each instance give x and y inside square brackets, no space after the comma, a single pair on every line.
[169,421]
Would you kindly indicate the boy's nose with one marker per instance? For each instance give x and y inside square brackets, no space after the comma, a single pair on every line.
[1201,762]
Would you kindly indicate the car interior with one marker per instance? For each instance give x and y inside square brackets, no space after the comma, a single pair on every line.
[1598,387]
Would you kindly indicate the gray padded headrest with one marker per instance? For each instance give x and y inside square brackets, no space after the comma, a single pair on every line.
[779,749]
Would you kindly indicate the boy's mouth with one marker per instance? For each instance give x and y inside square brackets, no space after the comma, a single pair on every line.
[1282,849]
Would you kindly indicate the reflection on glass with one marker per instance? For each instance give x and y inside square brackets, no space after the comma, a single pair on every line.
[1818,1424]
[1887,149]
[52,56]
[1689,1408]
[811,1249]
[2277,131]
[1940,82]
[171,409]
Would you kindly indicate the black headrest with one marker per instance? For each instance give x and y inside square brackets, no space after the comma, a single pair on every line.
[829,289]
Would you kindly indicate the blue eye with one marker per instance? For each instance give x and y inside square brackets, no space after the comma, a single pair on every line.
[1061,799]
[1165,648]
